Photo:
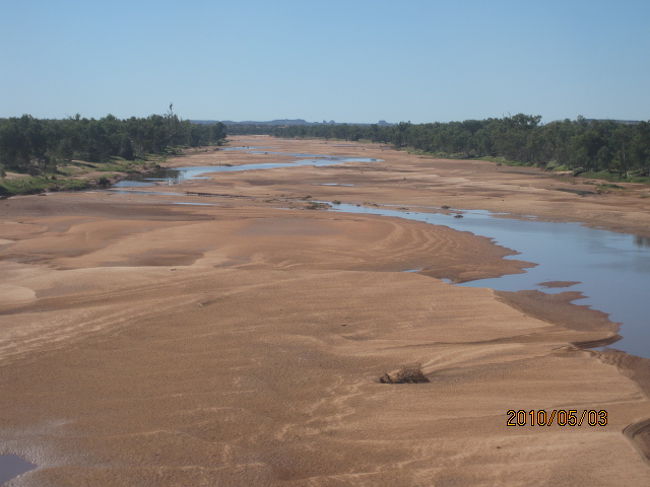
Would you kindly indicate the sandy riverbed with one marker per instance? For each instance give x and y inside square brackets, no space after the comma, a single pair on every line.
[143,343]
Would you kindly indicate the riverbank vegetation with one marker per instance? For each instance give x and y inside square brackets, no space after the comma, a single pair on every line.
[596,148]
[45,154]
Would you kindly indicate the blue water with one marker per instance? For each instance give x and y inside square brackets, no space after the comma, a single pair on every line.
[246,148]
[12,465]
[191,203]
[129,191]
[613,269]
[132,183]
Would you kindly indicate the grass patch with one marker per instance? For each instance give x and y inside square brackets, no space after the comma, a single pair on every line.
[76,175]
[557,167]
[437,154]
[503,161]
[450,155]
[39,184]
[579,192]
[117,164]
[611,177]
[114,164]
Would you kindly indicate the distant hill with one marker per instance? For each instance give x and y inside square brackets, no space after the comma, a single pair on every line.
[283,122]
[286,122]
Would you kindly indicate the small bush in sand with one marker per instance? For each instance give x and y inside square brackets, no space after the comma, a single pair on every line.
[411,374]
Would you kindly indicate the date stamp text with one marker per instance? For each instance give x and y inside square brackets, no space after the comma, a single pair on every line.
[560,417]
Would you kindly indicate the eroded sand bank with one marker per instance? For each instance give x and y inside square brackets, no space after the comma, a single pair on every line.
[143,343]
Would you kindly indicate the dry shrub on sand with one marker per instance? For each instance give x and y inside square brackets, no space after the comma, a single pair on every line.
[410,374]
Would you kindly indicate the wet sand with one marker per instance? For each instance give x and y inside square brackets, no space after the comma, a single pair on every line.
[144,343]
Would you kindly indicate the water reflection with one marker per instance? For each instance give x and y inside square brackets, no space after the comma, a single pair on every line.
[641,241]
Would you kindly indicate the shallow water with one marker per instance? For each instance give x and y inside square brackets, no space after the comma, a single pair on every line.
[159,193]
[177,175]
[245,148]
[613,269]
[12,466]
[191,203]
[132,183]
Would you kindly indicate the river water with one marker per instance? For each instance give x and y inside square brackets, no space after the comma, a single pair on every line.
[611,269]
[12,465]
[179,174]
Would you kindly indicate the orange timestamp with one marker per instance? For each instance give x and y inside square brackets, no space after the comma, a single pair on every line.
[561,417]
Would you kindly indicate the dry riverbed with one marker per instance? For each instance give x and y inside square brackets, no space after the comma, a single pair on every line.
[144,342]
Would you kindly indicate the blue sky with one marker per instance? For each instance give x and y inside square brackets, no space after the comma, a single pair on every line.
[354,60]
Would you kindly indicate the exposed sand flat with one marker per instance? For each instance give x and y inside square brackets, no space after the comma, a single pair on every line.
[241,344]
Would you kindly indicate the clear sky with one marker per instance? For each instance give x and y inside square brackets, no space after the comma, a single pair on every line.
[353,60]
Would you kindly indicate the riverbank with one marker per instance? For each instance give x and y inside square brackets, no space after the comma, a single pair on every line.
[144,342]
[83,175]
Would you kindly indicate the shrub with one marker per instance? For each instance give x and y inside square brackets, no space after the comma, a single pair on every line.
[104,182]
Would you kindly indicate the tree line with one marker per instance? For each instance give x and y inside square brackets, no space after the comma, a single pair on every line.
[35,146]
[579,145]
